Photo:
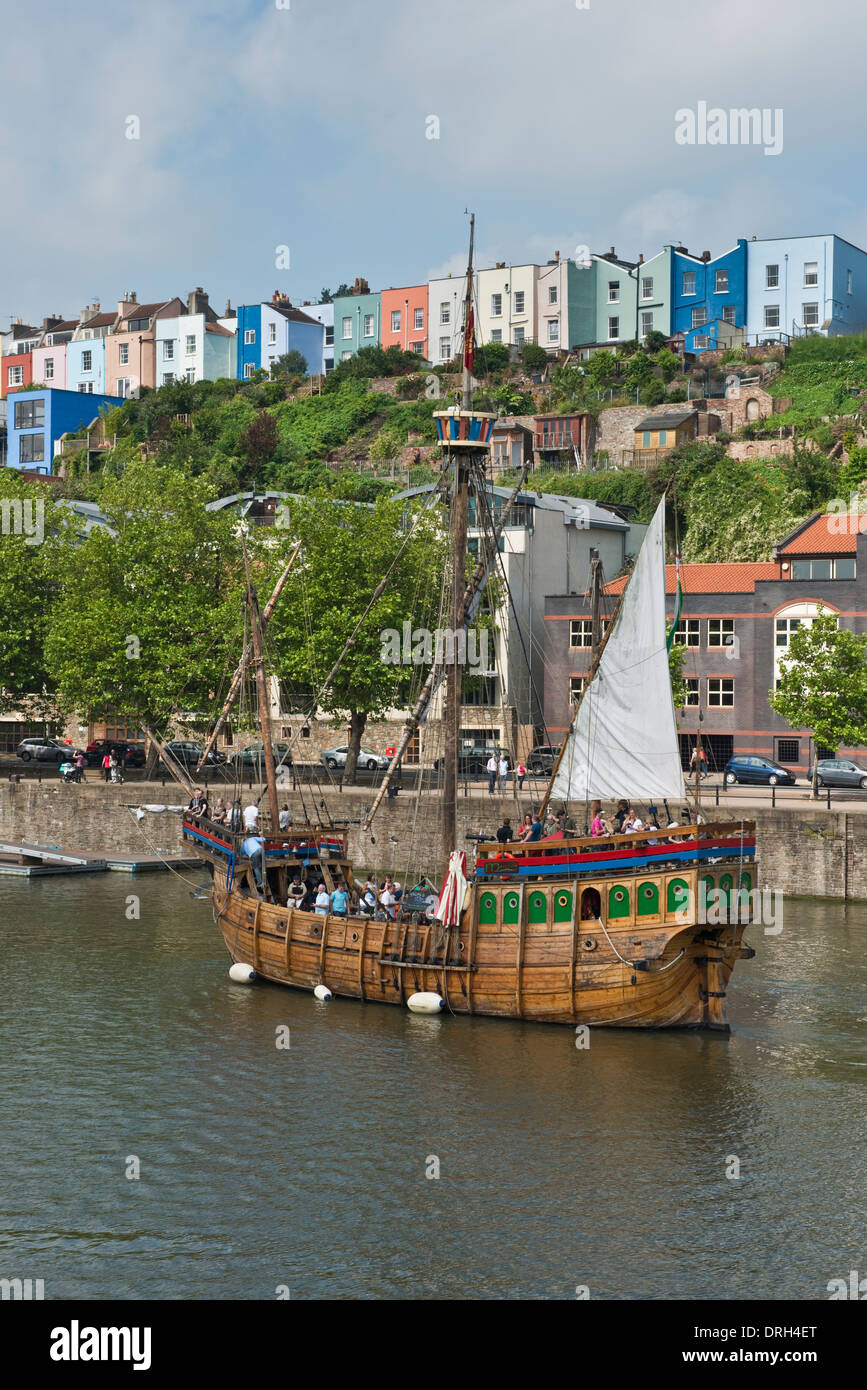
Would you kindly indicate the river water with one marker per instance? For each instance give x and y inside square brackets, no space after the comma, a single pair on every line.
[304,1167]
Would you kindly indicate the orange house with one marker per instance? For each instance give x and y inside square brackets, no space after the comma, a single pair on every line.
[404,319]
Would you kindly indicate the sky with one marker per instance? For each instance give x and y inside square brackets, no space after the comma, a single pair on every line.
[307,124]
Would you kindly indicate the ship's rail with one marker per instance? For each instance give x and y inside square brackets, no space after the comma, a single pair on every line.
[300,846]
[579,854]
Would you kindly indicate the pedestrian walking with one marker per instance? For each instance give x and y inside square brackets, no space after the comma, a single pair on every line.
[520,774]
[106,767]
[493,768]
[503,769]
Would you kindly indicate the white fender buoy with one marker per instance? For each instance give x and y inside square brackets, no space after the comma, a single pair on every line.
[425,1003]
[322,992]
[242,974]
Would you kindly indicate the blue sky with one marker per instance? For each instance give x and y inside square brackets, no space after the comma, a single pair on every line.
[262,127]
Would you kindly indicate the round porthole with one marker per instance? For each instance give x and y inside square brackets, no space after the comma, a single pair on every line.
[563,900]
[619,895]
[355,936]
[647,891]
[512,900]
[460,946]
[590,943]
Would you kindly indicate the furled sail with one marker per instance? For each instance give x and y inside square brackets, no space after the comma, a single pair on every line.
[623,741]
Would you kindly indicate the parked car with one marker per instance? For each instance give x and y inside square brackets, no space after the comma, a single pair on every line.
[474,758]
[188,753]
[751,768]
[335,758]
[254,756]
[542,758]
[839,772]
[98,747]
[45,750]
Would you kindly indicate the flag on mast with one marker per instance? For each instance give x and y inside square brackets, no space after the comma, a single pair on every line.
[469,340]
[678,602]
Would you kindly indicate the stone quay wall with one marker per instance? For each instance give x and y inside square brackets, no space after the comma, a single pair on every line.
[804,851]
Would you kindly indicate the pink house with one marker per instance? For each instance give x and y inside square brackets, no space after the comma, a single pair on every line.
[130,348]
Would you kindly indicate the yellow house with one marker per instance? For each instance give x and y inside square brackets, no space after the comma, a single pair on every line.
[665,431]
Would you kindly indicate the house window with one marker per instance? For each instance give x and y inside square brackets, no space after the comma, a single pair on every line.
[811,272]
[123,354]
[810,314]
[87,361]
[31,448]
[248,370]
[329,335]
[772,277]
[663,438]
[553,330]
[519,336]
[190,375]
[368,325]
[720,631]
[395,320]
[645,439]
[691,701]
[720,691]
[699,316]
[849,282]
[413,749]
[613,291]
[721,282]
[419,318]
[249,336]
[688,286]
[16,376]
[581,632]
[347,328]
[576,685]
[519,301]
[843,568]
[788,750]
[445,348]
[496,305]
[123,386]
[646,322]
[168,378]
[496,335]
[772,316]
[345,356]
[191,340]
[445,313]
[552,293]
[785,627]
[702,343]
[614,328]
[29,414]
[417,347]
[728,313]
[272,337]
[134,325]
[686,634]
[169,349]
[647,287]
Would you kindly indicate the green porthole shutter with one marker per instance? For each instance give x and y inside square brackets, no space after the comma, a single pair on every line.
[488,909]
[648,900]
[677,898]
[618,901]
[511,904]
[538,910]
[562,906]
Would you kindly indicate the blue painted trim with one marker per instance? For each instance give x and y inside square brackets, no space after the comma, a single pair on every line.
[585,866]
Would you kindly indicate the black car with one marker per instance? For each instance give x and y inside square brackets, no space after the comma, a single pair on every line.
[45,750]
[839,772]
[542,758]
[127,753]
[750,767]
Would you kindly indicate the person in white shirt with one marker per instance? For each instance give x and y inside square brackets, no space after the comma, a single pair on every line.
[284,818]
[251,816]
[503,769]
[323,901]
[493,768]
[387,900]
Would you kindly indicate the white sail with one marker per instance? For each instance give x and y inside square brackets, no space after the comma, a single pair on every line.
[623,741]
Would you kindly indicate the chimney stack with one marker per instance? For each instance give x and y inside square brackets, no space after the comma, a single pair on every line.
[197,301]
[705,255]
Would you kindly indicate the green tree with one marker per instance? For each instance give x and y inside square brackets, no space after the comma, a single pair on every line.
[347,550]
[679,688]
[668,363]
[260,439]
[292,363]
[655,341]
[534,358]
[639,371]
[147,617]
[492,357]
[823,684]
[654,392]
[601,369]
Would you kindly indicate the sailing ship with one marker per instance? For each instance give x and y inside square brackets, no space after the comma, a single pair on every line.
[573,929]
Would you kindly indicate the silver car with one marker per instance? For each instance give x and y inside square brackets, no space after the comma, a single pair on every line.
[839,772]
[335,758]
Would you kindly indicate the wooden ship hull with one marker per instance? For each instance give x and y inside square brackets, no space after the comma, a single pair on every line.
[525,948]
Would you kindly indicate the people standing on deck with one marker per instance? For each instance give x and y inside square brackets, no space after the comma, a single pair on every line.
[251,816]
[198,804]
[284,817]
[235,818]
[534,830]
[339,900]
[388,901]
[619,817]
[220,811]
[632,822]
[505,833]
[322,904]
[297,892]
[493,768]
[503,771]
[393,887]
[599,825]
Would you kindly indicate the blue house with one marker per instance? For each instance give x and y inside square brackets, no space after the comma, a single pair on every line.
[707,292]
[37,419]
[806,284]
[267,331]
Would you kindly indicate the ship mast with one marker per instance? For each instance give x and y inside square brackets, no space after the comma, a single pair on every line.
[460,506]
[263,698]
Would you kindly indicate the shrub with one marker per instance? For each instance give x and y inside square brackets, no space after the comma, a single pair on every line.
[533,357]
